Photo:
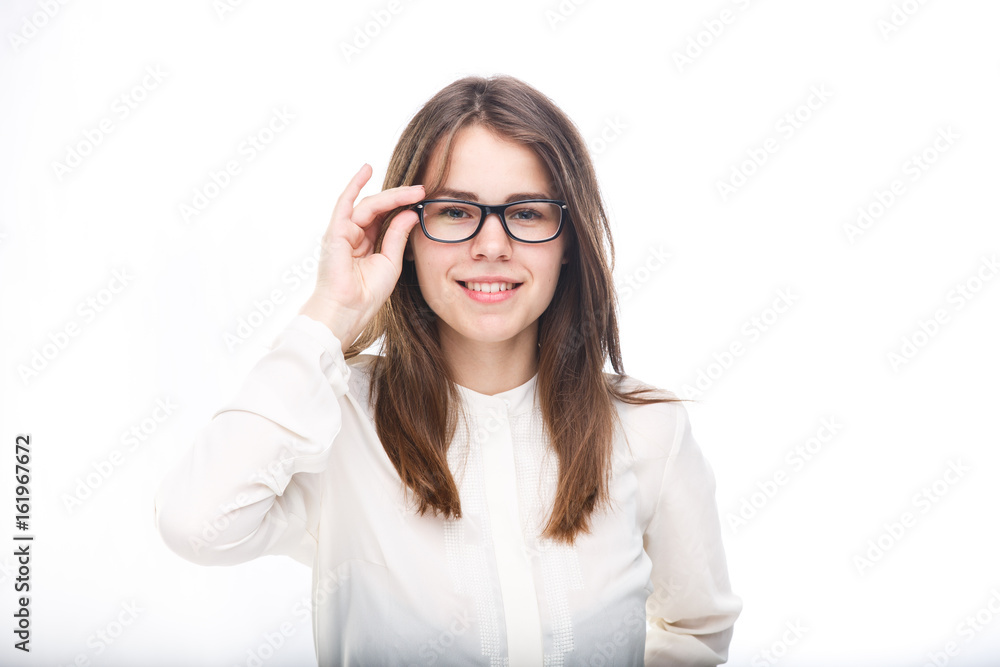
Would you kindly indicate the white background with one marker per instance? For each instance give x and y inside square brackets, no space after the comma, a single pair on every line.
[664,133]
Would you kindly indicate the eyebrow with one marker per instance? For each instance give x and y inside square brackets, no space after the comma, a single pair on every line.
[472,196]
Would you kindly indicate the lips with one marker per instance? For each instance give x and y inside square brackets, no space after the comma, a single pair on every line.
[489,289]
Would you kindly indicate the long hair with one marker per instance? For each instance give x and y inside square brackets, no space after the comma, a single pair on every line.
[414,395]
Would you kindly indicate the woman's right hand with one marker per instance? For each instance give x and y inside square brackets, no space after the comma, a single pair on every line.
[353,281]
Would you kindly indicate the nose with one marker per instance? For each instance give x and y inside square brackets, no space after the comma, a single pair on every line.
[492,241]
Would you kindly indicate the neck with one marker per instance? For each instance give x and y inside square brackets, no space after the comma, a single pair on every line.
[491,368]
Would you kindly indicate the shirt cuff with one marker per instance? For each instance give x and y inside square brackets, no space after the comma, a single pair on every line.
[332,361]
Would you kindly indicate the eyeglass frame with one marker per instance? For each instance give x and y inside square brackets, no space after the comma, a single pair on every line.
[487,210]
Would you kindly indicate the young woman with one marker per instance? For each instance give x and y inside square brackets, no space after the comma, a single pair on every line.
[481,492]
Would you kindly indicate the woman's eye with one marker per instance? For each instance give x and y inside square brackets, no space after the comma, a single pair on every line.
[525,215]
[454,213]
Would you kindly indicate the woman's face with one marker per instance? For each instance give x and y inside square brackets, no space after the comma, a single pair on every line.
[459,280]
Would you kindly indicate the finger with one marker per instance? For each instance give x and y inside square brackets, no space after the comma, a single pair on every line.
[371,207]
[353,235]
[345,203]
[394,241]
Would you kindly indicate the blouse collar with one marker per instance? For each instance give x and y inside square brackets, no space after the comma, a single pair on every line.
[513,401]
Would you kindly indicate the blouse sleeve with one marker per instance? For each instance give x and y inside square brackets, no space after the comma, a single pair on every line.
[692,609]
[243,489]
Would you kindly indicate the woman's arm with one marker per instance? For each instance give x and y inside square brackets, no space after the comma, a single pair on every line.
[239,492]
[692,608]
[233,497]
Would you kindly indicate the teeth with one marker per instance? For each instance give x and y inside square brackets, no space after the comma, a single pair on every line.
[489,287]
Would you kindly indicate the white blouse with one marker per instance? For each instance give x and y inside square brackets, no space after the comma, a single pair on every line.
[293,466]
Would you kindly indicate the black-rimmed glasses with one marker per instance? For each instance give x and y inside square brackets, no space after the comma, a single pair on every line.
[455,221]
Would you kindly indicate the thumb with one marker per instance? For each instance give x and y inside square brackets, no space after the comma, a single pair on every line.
[394,241]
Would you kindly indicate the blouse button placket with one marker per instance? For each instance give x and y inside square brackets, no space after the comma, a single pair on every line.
[513,558]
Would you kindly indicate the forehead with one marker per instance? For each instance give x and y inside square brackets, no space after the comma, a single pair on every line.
[489,166]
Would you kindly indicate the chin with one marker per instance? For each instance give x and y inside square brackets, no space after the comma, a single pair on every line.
[488,334]
[486,330]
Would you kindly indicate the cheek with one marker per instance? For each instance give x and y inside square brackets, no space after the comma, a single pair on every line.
[431,263]
[422,257]
[553,264]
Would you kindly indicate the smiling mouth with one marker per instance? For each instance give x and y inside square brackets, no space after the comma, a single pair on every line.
[489,287]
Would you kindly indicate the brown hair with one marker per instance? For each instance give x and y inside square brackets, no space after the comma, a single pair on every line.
[414,395]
